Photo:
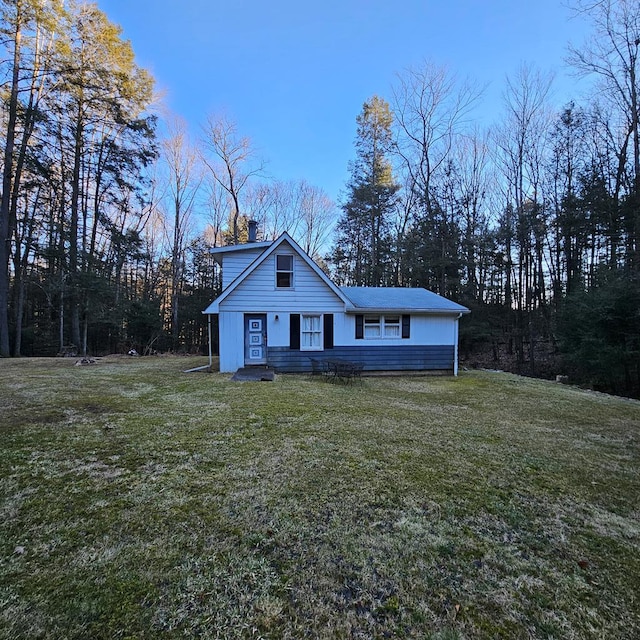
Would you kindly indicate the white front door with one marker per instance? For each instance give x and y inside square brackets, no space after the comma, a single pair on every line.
[255,339]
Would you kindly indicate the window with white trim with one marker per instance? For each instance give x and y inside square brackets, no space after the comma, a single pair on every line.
[381,327]
[284,271]
[372,327]
[391,326]
[310,332]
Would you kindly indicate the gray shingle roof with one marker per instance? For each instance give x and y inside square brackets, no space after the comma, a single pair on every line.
[400,299]
[247,246]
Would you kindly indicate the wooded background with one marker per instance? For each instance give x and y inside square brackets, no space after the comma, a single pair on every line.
[107,211]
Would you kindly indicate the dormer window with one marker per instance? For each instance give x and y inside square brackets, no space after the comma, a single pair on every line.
[284,271]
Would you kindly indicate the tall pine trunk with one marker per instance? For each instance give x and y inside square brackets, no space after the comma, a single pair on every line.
[5,201]
[74,298]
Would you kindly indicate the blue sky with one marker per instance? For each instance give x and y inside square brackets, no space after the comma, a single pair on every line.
[294,74]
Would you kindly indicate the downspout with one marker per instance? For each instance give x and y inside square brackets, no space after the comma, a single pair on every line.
[455,347]
[210,353]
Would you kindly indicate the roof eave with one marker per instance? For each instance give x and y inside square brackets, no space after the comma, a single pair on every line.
[212,309]
[442,312]
[240,247]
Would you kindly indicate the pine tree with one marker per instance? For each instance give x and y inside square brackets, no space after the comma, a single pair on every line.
[362,252]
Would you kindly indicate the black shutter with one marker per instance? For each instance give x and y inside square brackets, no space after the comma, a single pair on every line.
[328,330]
[359,327]
[294,331]
[406,326]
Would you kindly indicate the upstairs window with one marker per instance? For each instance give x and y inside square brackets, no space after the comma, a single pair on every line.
[284,271]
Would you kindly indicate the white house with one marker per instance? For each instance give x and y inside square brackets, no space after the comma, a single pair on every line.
[278,308]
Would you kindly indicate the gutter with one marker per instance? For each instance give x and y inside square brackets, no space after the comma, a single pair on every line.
[455,344]
[210,350]
[442,312]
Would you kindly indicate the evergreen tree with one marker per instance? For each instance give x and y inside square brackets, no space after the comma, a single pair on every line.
[362,255]
[599,331]
[25,67]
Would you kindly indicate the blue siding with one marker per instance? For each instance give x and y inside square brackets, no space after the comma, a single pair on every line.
[374,358]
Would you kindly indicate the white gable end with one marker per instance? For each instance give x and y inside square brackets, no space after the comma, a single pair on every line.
[233,264]
[258,291]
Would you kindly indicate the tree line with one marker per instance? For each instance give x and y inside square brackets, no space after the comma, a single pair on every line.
[533,223]
[107,210]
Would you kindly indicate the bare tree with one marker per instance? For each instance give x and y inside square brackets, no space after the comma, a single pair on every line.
[431,108]
[184,177]
[519,150]
[218,209]
[232,162]
[474,180]
[305,212]
[267,203]
[318,215]
[611,55]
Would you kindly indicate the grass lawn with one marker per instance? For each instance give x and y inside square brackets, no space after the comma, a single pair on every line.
[138,501]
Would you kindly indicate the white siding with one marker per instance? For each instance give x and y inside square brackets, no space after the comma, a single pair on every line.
[433,329]
[425,330]
[231,333]
[258,292]
[344,329]
[235,262]
[278,330]
[231,342]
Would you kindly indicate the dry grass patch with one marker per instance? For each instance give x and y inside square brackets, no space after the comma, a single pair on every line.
[139,501]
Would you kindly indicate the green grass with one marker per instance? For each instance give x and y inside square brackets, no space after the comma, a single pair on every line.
[138,501]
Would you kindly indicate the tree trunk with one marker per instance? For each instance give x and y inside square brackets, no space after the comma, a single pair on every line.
[7,180]
[73,232]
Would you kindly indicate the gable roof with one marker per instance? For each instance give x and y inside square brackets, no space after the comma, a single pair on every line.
[217,252]
[400,299]
[269,250]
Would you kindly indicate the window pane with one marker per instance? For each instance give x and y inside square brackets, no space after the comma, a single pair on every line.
[284,263]
[392,326]
[311,323]
[284,271]
[372,327]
